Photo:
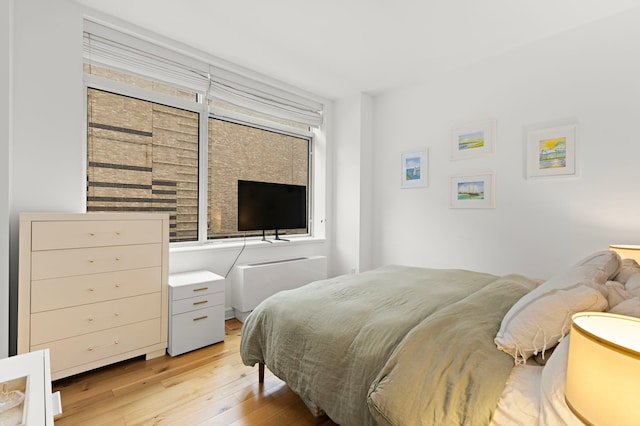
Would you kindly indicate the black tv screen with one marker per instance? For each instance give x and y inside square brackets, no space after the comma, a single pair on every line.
[271,206]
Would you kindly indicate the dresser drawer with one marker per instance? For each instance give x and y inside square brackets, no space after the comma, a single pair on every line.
[63,323]
[59,293]
[198,302]
[196,329]
[71,262]
[93,233]
[92,347]
[190,284]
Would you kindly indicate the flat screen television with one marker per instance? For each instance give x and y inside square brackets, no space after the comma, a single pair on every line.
[271,206]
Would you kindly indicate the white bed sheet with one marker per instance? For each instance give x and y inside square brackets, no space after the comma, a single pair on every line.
[534,395]
[519,404]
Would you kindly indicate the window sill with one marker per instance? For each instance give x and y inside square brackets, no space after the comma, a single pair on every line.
[235,244]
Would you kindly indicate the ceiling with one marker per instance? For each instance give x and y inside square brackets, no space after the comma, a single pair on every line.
[336,48]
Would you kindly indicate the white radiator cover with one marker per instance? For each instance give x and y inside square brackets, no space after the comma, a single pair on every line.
[254,282]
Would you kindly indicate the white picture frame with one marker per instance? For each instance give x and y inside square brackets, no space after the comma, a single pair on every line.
[551,152]
[414,171]
[473,191]
[30,374]
[473,140]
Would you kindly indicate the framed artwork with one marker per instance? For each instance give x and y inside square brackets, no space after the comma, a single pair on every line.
[473,191]
[25,389]
[551,152]
[413,170]
[12,403]
[473,140]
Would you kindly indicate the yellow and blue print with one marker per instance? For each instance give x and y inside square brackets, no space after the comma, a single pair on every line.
[471,140]
[552,153]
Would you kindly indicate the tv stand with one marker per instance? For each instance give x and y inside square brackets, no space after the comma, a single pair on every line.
[277,237]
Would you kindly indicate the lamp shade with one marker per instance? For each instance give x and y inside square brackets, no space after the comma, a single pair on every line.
[627,251]
[603,369]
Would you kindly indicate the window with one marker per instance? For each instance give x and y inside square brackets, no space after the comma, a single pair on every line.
[240,152]
[143,156]
[167,133]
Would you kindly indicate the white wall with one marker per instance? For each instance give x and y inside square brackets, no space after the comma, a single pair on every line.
[6,29]
[538,227]
[352,185]
[48,168]
[367,232]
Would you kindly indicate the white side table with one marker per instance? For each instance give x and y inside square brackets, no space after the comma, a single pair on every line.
[196,310]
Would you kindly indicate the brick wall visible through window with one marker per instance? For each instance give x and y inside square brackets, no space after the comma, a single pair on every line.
[240,152]
[143,156]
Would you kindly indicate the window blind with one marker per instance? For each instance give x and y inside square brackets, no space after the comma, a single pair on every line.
[111,48]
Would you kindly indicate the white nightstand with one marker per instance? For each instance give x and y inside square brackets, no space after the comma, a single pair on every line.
[196,311]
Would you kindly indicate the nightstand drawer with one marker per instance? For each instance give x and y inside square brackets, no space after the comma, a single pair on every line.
[195,303]
[65,263]
[196,329]
[59,293]
[64,323]
[94,233]
[189,284]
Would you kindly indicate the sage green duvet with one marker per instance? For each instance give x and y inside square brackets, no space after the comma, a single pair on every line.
[396,345]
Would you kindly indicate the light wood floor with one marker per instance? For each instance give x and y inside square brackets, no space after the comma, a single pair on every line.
[209,386]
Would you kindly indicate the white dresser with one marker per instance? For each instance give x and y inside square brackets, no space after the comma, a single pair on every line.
[93,287]
[196,310]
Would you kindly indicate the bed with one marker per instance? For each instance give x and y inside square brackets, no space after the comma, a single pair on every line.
[408,346]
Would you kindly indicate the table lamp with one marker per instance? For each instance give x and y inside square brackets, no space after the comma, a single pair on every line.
[603,369]
[627,251]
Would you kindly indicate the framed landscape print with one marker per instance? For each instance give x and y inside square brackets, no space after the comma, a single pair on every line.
[552,152]
[473,191]
[473,140]
[413,170]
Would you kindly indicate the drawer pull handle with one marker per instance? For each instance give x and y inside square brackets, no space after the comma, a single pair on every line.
[116,314]
[201,318]
[117,233]
[91,261]
[116,341]
[90,348]
[200,302]
[91,289]
[117,258]
[92,234]
[117,285]
[201,289]
[91,318]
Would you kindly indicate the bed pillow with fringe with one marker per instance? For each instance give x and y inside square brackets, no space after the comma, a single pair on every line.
[541,318]
[629,307]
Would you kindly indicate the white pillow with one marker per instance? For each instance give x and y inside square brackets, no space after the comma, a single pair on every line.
[629,307]
[627,269]
[633,284]
[541,321]
[616,293]
[603,264]
[541,318]
[553,407]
